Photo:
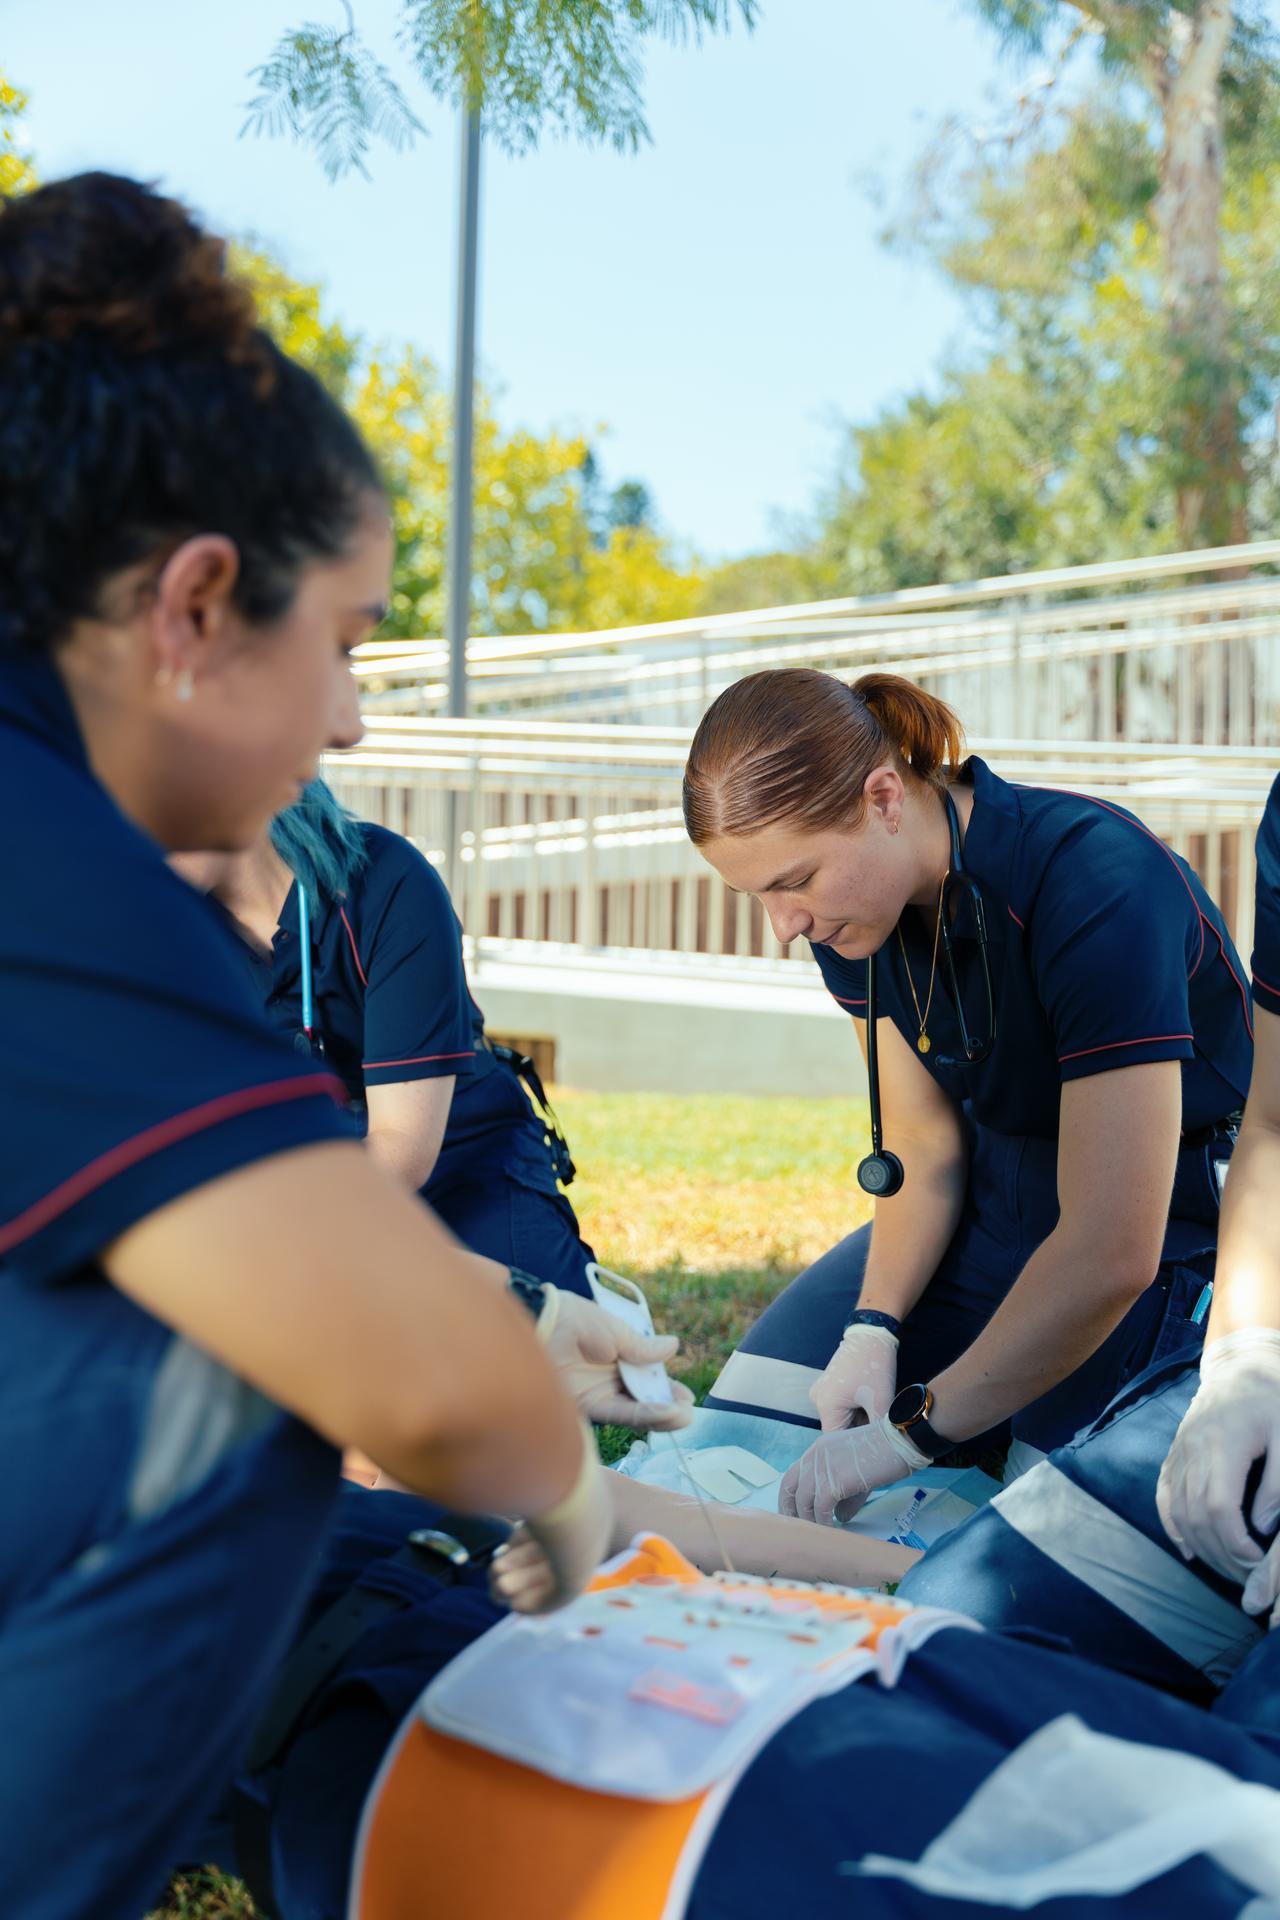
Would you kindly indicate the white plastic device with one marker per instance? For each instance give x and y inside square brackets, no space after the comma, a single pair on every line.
[626,1302]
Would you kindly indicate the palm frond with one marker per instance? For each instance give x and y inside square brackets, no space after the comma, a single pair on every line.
[325,87]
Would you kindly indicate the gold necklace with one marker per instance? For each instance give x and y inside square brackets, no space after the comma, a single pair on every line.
[923,1043]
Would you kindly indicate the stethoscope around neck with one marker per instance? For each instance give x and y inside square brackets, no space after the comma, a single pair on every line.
[882,1173]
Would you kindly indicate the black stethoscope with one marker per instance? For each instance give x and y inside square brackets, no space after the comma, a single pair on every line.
[881,1173]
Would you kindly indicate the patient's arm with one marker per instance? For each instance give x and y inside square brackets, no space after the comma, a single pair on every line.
[756,1542]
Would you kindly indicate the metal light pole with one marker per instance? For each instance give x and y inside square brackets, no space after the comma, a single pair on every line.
[458,567]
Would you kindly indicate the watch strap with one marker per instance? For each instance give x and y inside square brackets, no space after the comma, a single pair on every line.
[872,1317]
[529,1292]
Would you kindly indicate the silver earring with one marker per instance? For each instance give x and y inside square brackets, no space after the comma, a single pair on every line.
[185,686]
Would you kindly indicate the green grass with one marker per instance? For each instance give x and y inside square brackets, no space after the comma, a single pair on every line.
[712,1202]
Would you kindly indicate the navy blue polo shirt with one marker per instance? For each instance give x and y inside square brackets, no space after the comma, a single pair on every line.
[1105,951]
[392,1003]
[135,1063]
[1266,920]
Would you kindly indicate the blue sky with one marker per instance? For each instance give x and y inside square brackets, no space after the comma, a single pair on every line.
[719,302]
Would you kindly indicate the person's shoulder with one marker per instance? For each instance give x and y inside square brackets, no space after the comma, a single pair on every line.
[82,869]
[398,881]
[1074,840]
[1269,829]
[391,861]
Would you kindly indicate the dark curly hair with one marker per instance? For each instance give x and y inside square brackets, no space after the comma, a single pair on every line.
[141,403]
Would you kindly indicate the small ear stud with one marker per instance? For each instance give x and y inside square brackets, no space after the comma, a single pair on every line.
[185,686]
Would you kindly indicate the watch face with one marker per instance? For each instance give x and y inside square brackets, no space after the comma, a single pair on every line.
[909,1406]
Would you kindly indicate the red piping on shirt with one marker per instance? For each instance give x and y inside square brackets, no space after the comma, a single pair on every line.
[166,1133]
[1157,841]
[1013,916]
[418,1060]
[1149,1040]
[1200,916]
[1240,986]
[839,997]
[355,955]
[1264,983]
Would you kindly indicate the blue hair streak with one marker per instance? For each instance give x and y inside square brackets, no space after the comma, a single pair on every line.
[320,842]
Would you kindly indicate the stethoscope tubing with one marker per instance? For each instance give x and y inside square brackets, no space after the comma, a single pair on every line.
[882,1172]
[304,939]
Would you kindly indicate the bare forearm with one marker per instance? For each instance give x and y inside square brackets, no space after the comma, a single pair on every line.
[913,1230]
[314,1277]
[756,1542]
[1060,1310]
[1246,1289]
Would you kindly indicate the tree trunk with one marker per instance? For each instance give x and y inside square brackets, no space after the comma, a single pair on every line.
[1204,434]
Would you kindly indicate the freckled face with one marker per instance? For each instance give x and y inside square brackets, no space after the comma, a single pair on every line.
[844,887]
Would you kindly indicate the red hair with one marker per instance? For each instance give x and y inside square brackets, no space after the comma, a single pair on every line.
[795,746]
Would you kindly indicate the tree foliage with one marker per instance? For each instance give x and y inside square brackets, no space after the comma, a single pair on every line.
[16,172]
[574,67]
[554,549]
[1067,438]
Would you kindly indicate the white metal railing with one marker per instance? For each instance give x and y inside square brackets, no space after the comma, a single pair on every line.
[563,785]
[1149,650]
[573,833]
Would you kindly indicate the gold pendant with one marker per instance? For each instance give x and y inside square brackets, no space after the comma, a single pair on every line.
[924,1043]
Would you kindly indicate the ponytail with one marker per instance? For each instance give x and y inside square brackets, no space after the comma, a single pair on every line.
[793,746]
[924,730]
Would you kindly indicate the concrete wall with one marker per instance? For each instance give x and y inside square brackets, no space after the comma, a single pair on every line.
[670,1023]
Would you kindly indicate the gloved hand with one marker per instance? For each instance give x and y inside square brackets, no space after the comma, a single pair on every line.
[586,1343]
[861,1377]
[833,1479]
[1233,1420]
[551,1556]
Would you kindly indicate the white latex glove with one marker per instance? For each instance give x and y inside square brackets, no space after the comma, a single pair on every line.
[550,1557]
[1233,1420]
[833,1479]
[585,1343]
[861,1377]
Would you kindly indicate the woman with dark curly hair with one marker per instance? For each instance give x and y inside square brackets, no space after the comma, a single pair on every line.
[206,1284]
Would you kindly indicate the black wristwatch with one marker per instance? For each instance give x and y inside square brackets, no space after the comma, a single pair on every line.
[909,1413]
[529,1292]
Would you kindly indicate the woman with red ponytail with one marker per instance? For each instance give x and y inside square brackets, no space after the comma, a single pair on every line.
[1061,1041]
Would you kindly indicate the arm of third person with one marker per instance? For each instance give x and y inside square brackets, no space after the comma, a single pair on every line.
[1117,1151]
[407,1122]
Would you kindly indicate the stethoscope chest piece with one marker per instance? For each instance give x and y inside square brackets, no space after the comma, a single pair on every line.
[881,1174]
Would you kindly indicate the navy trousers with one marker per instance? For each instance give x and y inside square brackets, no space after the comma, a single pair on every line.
[1074,1551]
[865,1770]
[523,1226]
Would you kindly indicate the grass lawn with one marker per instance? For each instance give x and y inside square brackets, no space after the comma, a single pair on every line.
[712,1202]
